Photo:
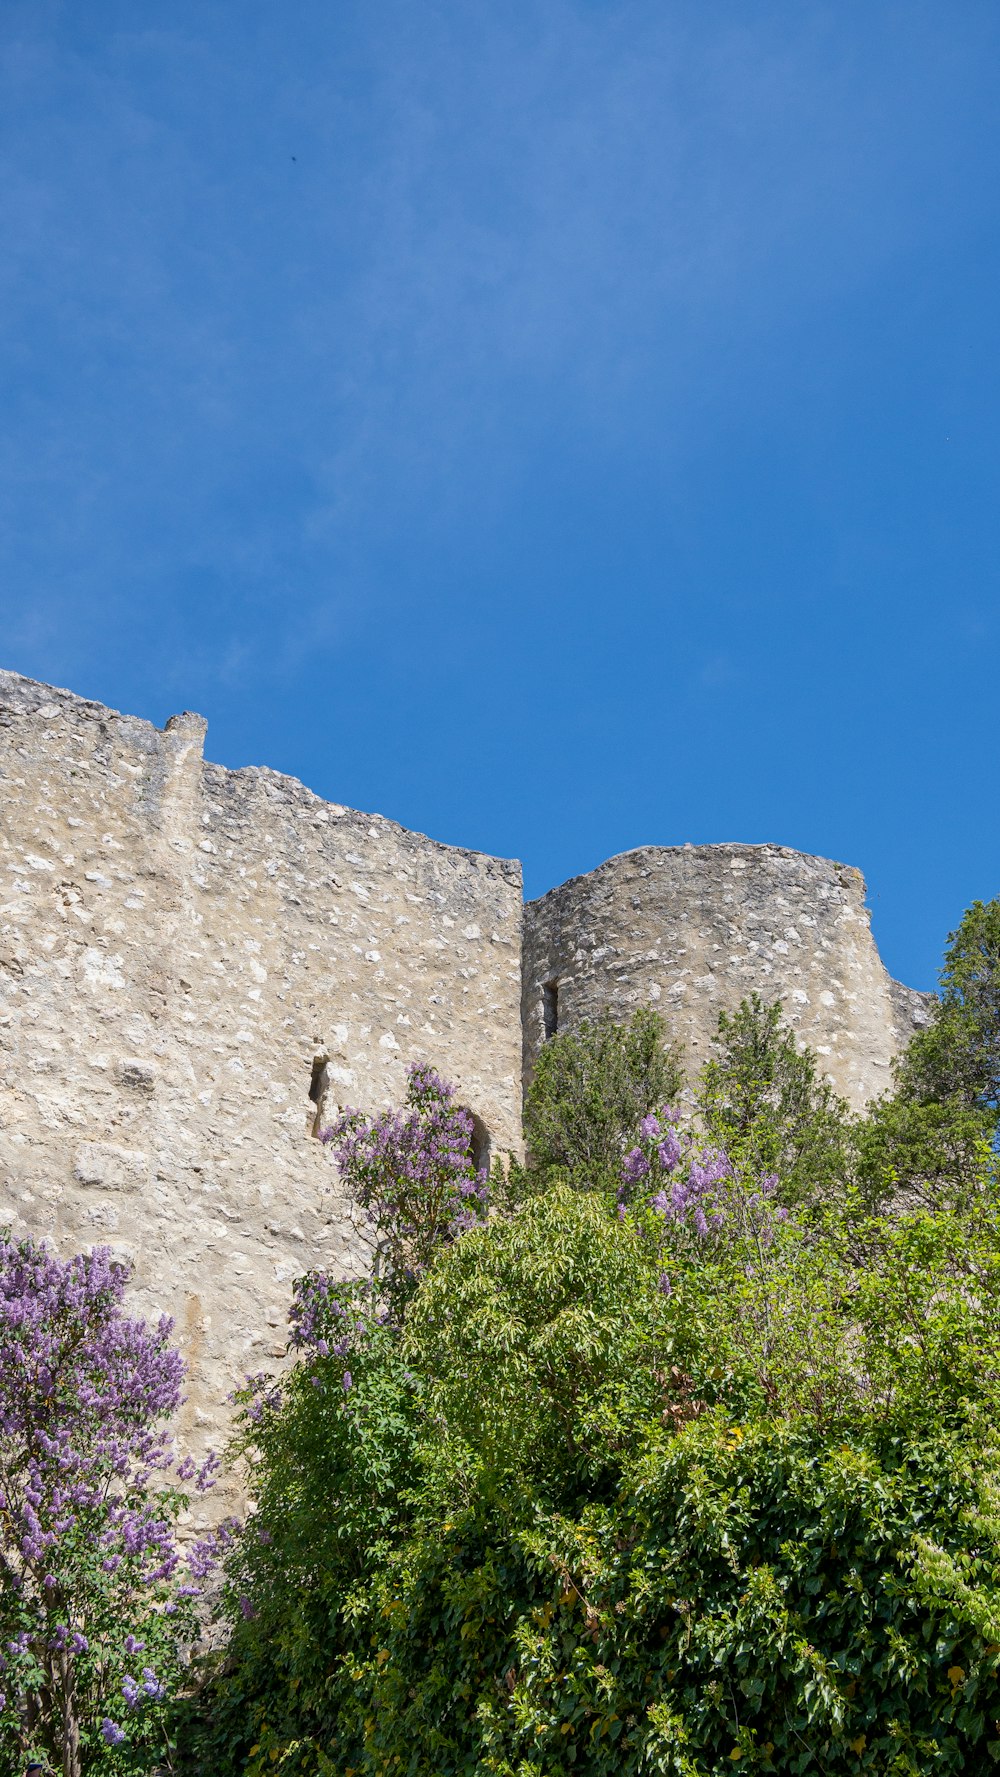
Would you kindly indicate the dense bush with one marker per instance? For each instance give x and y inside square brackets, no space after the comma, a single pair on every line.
[96,1595]
[665,1479]
[958,1056]
[926,1141]
[756,1596]
[332,1461]
[589,1090]
[685,1461]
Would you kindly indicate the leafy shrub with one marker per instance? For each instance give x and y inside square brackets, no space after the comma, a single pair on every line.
[756,1598]
[576,1522]
[330,1458]
[537,1338]
[589,1091]
[761,1100]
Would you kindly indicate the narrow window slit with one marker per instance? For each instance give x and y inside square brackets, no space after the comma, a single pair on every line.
[319,1084]
[550,1008]
[479,1144]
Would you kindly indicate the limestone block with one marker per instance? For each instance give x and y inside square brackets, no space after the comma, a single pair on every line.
[111,1168]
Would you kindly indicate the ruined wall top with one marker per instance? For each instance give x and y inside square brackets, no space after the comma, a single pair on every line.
[199,966]
[186,951]
[691,930]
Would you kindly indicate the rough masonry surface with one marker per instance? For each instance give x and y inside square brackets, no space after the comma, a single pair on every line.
[691,930]
[184,952]
[198,967]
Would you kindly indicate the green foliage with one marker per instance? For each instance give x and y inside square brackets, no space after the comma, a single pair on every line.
[761,1100]
[634,1493]
[873,1326]
[759,1600]
[935,1138]
[538,1339]
[958,1056]
[329,1468]
[590,1089]
[568,1522]
[908,1151]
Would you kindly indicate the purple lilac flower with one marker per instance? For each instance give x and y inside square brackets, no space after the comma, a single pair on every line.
[86,1395]
[413,1172]
[151,1685]
[697,1194]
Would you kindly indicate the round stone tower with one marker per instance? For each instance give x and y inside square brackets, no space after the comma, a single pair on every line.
[692,930]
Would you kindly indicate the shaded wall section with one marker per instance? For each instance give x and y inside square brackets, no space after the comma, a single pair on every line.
[185,952]
[691,930]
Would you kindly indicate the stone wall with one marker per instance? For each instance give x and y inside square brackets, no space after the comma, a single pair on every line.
[184,952]
[692,929]
[199,966]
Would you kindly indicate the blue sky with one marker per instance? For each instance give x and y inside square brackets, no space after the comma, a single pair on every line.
[560,426]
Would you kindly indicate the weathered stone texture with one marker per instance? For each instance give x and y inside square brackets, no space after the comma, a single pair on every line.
[692,929]
[183,950]
[186,951]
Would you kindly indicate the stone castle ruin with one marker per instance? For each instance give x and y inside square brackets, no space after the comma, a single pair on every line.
[692,930]
[199,966]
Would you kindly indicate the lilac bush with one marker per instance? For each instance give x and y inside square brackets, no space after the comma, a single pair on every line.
[97,1602]
[665,1172]
[698,1197]
[414,1171]
[329,1316]
[718,1235]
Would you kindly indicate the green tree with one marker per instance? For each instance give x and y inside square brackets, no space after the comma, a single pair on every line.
[908,1151]
[537,1339]
[958,1055]
[590,1089]
[935,1138]
[755,1520]
[761,1100]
